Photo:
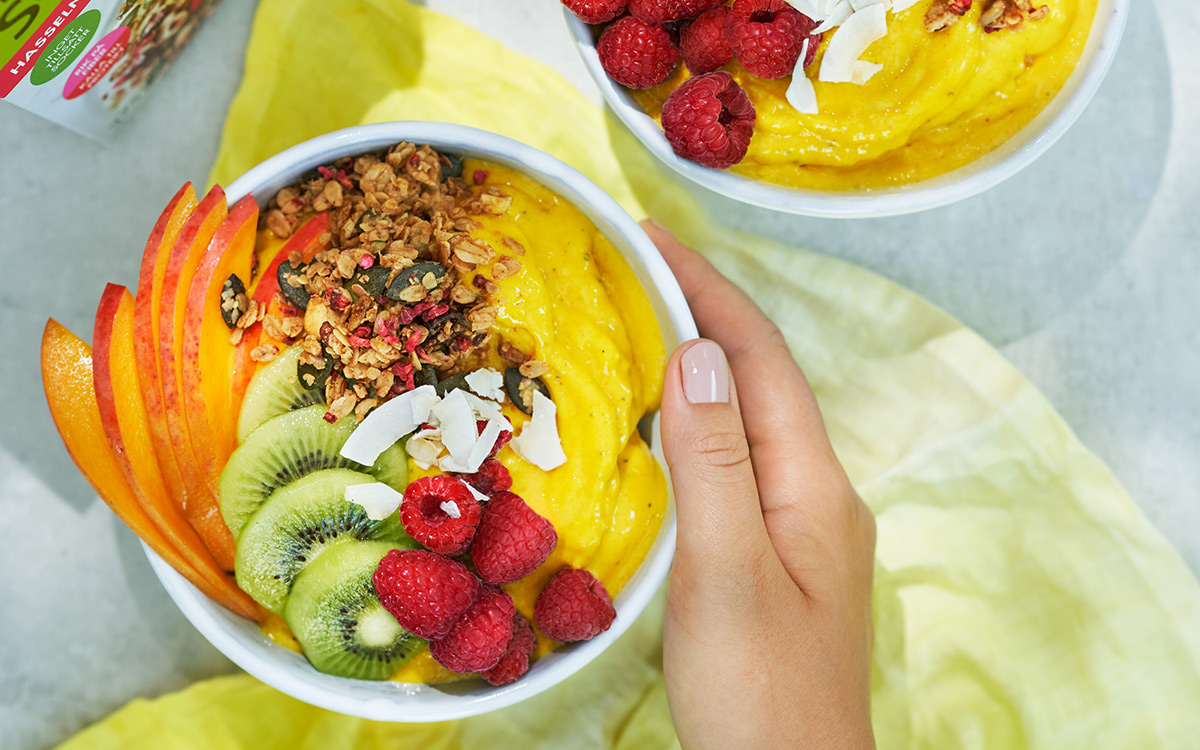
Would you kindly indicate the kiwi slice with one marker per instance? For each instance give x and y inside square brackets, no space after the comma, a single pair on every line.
[288,447]
[296,524]
[275,389]
[338,619]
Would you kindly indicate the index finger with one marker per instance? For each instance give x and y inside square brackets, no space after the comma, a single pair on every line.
[792,456]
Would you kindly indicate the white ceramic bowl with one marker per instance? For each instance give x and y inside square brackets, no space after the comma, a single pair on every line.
[241,641]
[983,173]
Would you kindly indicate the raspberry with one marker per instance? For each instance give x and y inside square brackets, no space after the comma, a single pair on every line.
[661,11]
[491,478]
[703,43]
[767,36]
[480,637]
[709,119]
[440,513]
[512,540]
[515,661]
[573,606]
[425,592]
[595,11]
[637,54]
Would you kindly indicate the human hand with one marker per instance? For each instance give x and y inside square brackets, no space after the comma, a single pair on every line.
[767,632]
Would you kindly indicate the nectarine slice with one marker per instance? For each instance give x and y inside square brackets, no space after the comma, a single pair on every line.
[123,417]
[208,353]
[199,497]
[68,381]
[146,308]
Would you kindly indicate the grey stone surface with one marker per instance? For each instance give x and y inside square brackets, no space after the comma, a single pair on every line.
[1084,270]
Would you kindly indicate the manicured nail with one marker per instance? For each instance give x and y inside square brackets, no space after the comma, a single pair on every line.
[705,374]
[659,227]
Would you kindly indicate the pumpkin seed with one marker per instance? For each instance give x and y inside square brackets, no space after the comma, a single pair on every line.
[373,280]
[425,376]
[454,168]
[233,301]
[294,292]
[452,383]
[520,388]
[413,275]
[313,378]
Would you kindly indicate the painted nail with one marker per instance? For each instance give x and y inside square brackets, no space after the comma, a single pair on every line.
[705,374]
[654,223]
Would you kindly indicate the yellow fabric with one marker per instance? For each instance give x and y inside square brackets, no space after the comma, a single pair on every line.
[1022,600]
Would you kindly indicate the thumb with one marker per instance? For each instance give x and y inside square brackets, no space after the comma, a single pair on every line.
[716,498]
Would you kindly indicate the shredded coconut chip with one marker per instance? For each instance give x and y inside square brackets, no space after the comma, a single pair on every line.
[801,93]
[477,494]
[486,382]
[841,63]
[457,422]
[383,427]
[539,443]
[377,499]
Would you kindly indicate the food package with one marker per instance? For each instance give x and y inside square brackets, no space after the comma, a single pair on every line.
[85,63]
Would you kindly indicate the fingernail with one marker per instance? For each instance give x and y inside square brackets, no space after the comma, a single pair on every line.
[705,374]
[654,223]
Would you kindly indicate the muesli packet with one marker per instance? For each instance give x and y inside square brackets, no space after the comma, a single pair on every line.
[84,64]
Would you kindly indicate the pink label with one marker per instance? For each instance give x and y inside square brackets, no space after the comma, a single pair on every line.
[22,62]
[96,62]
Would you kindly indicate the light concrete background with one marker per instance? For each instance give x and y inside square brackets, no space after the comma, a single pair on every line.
[1084,270]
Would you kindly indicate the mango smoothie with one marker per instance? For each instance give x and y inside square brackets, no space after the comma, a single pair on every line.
[941,100]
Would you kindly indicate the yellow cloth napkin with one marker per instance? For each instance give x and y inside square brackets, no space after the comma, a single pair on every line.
[1021,598]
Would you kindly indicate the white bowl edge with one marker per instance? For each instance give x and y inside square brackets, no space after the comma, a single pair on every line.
[242,641]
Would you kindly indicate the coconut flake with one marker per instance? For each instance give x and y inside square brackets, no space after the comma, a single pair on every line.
[489,410]
[450,508]
[424,448]
[456,420]
[479,496]
[376,498]
[389,422]
[538,442]
[899,6]
[836,16]
[858,5]
[801,93]
[810,8]
[483,446]
[423,402]
[860,31]
[487,382]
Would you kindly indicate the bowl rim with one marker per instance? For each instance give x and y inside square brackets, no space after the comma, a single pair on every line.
[989,170]
[242,642]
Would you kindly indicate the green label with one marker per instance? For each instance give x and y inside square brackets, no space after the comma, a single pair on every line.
[19,19]
[68,44]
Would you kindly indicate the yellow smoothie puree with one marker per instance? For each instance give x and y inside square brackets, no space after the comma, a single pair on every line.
[941,101]
[576,305]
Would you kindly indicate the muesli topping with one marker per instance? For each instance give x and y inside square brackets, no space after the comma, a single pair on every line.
[388,300]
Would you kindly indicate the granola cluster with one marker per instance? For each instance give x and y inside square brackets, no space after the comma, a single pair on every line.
[388,305]
[996,16]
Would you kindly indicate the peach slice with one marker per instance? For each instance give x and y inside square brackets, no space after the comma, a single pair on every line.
[68,381]
[199,498]
[208,353]
[146,320]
